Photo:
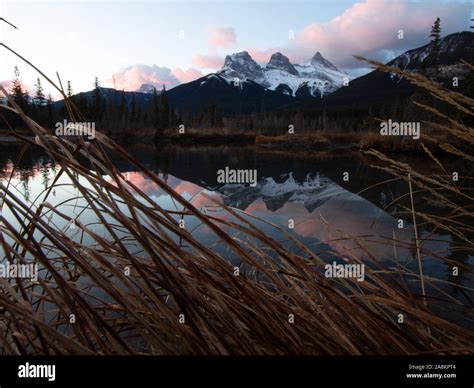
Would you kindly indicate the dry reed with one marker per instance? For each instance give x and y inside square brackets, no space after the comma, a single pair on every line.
[182,296]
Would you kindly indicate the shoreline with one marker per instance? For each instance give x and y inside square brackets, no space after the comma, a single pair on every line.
[311,142]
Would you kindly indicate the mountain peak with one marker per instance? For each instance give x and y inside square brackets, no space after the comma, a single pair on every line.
[319,60]
[241,58]
[241,65]
[452,48]
[313,79]
[147,88]
[281,62]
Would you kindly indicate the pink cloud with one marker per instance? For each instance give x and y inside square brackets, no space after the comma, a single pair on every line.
[224,37]
[145,184]
[370,28]
[188,187]
[7,84]
[186,75]
[208,61]
[132,77]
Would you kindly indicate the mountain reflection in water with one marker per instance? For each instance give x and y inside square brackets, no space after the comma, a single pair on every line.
[332,217]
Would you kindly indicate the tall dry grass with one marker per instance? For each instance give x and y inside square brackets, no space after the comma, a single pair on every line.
[182,296]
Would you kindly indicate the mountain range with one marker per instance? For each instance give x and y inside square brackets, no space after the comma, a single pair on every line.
[315,78]
[379,87]
[244,86]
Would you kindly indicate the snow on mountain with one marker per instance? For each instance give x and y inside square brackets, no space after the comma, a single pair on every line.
[229,96]
[242,66]
[378,88]
[316,78]
[312,192]
[441,65]
[279,62]
[147,88]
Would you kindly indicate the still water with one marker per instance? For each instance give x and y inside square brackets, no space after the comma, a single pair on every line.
[334,204]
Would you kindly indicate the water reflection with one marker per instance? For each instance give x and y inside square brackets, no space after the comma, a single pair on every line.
[328,214]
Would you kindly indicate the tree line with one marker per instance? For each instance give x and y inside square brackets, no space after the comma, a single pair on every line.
[114,112]
[120,113]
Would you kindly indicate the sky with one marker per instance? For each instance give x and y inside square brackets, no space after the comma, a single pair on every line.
[128,43]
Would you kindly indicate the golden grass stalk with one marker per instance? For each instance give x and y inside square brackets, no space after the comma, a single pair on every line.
[183,296]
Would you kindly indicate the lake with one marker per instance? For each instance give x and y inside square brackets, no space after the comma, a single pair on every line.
[337,204]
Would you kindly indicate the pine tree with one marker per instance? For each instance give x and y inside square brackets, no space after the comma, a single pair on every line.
[435,36]
[155,110]
[97,103]
[17,89]
[39,94]
[21,99]
[69,89]
[164,109]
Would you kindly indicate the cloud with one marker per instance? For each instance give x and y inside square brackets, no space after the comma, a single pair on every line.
[187,187]
[370,28]
[146,185]
[132,77]
[208,61]
[218,37]
[7,84]
[224,37]
[186,75]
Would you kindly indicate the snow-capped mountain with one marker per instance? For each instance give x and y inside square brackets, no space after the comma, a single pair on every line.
[279,62]
[443,65]
[230,97]
[113,97]
[314,191]
[378,87]
[242,67]
[148,88]
[316,78]
[31,100]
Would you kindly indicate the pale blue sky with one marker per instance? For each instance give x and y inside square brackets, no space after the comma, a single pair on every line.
[83,39]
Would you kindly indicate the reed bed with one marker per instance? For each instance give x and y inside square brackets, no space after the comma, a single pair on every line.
[185,297]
